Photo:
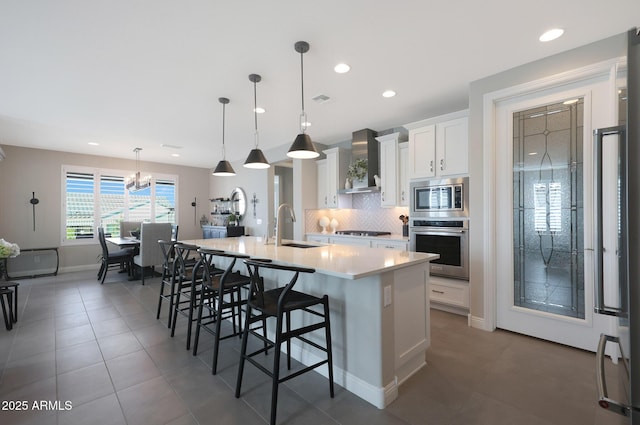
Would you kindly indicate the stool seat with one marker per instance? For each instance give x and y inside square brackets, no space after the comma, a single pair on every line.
[279,303]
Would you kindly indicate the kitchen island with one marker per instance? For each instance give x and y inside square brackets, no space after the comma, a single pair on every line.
[379,303]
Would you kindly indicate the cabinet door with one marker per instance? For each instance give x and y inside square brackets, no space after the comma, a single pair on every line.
[322,183]
[319,239]
[403,174]
[332,180]
[388,171]
[350,241]
[391,245]
[452,147]
[422,147]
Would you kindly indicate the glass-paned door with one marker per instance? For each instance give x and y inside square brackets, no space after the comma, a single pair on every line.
[548,209]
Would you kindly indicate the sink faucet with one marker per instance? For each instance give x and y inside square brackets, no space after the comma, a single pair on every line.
[279,220]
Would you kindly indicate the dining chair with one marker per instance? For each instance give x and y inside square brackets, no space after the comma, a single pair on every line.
[122,258]
[150,253]
[126,227]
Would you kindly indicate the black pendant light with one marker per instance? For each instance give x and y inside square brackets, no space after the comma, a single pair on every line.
[302,147]
[223,168]
[256,158]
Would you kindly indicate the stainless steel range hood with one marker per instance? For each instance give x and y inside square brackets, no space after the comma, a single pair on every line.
[365,146]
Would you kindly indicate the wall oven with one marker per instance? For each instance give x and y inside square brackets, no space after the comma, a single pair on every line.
[449,239]
[440,224]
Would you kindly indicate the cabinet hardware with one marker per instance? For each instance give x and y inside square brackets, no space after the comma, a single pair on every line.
[431,165]
[438,292]
[442,164]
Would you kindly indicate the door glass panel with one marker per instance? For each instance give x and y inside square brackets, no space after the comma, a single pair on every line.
[548,209]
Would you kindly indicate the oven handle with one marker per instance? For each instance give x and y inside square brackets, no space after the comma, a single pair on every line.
[439,232]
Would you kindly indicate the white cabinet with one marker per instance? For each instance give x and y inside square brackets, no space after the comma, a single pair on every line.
[390,171]
[439,148]
[403,174]
[449,294]
[322,183]
[404,246]
[350,241]
[317,238]
[332,173]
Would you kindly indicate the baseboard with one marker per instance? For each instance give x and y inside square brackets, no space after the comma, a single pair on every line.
[380,397]
[477,323]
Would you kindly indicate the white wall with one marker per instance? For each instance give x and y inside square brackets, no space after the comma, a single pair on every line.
[28,170]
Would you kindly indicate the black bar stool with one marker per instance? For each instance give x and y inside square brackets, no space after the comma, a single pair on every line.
[168,277]
[221,296]
[279,303]
[9,301]
[188,277]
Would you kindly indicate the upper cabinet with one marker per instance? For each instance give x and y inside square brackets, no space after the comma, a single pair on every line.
[332,173]
[391,179]
[438,147]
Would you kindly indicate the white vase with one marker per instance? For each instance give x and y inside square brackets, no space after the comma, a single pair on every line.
[347,184]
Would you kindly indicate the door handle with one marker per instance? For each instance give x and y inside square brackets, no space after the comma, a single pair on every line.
[603,398]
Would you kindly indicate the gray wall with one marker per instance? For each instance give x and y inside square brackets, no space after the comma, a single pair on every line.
[609,48]
[26,170]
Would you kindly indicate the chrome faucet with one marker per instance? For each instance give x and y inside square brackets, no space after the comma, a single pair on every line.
[279,220]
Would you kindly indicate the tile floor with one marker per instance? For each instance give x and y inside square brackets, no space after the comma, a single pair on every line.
[101,348]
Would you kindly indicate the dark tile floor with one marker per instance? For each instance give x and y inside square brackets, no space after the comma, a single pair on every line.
[101,349]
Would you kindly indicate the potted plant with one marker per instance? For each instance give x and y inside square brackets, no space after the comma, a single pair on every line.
[357,172]
[232,220]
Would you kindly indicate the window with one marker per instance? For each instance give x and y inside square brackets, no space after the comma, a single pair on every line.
[547,207]
[98,198]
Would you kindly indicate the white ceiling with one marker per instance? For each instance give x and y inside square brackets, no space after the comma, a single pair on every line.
[141,73]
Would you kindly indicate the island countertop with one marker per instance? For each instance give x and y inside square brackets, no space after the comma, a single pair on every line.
[347,262]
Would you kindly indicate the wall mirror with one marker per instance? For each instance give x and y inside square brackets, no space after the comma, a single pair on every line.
[239,200]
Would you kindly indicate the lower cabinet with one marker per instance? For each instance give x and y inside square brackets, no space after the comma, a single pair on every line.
[350,241]
[316,238]
[213,232]
[404,246]
[449,294]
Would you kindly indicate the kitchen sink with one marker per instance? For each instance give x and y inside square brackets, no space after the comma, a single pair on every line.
[300,245]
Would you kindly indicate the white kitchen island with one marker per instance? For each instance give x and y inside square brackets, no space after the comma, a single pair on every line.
[379,302]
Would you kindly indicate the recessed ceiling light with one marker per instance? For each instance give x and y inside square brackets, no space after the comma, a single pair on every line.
[552,34]
[175,155]
[94,143]
[341,68]
[388,93]
[259,110]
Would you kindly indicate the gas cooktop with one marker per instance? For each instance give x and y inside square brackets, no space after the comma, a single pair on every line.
[361,233]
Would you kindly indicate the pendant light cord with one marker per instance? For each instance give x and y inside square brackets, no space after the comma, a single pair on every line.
[255,112]
[303,115]
[224,155]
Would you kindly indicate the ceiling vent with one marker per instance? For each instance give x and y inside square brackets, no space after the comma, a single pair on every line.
[321,98]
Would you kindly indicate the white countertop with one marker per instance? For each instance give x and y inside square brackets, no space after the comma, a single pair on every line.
[348,262]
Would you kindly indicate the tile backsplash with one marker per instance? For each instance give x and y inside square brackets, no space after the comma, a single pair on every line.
[365,214]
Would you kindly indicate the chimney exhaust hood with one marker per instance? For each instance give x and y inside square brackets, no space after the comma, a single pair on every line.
[365,146]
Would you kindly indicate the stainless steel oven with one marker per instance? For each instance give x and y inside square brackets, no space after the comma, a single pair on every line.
[439,198]
[449,239]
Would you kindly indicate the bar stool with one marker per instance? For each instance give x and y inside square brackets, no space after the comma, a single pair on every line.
[279,303]
[221,296]
[188,278]
[168,277]
[9,293]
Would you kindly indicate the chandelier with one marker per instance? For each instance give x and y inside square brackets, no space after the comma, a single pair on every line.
[134,181]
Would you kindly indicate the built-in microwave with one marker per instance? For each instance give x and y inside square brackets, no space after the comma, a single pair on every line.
[439,198]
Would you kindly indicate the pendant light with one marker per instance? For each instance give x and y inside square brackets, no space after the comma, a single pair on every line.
[302,147]
[223,168]
[256,158]
[135,181]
